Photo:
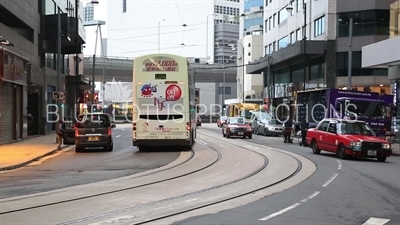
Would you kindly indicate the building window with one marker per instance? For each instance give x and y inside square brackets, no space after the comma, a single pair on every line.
[282,15]
[124,6]
[298,35]
[369,22]
[270,23]
[275,21]
[283,42]
[299,5]
[266,26]
[319,26]
[274,46]
[342,63]
[292,38]
[227,90]
[270,48]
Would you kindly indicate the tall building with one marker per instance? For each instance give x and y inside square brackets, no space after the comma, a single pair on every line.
[28,63]
[88,12]
[203,30]
[326,29]
[383,55]
[250,86]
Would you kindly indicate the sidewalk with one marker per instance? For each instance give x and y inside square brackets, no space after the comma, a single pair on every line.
[23,152]
[396,149]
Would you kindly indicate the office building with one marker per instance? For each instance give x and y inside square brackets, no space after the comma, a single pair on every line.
[88,12]
[249,48]
[28,56]
[326,28]
[388,57]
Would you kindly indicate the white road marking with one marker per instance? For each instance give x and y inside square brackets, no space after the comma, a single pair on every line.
[118,136]
[201,142]
[290,207]
[339,167]
[376,221]
[330,180]
[222,145]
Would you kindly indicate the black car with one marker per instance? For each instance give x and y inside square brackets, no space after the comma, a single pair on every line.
[93,130]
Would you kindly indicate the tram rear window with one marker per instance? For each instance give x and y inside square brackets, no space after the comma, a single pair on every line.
[159,76]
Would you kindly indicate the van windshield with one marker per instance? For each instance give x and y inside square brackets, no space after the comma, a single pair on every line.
[93,120]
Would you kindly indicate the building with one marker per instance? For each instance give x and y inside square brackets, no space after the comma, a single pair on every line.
[249,48]
[326,28]
[28,73]
[388,57]
[196,29]
[88,12]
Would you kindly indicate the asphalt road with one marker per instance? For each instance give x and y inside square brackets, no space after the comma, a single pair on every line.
[71,168]
[345,192]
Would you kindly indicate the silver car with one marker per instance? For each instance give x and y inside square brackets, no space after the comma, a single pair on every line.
[272,127]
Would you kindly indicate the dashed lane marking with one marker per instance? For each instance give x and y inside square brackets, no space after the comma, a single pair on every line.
[330,180]
[290,207]
[339,167]
[376,221]
[118,136]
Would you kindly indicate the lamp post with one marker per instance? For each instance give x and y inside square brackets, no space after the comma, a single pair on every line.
[159,23]
[242,58]
[289,9]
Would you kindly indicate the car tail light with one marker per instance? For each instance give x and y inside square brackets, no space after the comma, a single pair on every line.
[109,131]
[76,132]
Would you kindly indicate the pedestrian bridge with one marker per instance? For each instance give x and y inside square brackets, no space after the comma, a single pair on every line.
[120,69]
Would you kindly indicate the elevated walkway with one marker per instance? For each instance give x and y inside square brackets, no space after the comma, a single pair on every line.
[121,70]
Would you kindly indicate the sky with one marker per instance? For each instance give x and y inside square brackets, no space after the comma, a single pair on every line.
[100,13]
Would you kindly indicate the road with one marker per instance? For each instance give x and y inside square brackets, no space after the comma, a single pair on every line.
[345,192]
[70,168]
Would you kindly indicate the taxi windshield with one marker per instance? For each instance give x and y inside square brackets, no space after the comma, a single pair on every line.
[274,122]
[237,121]
[356,128]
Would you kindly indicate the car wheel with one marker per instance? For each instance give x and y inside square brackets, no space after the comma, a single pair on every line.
[250,136]
[314,147]
[79,149]
[381,159]
[341,152]
[110,148]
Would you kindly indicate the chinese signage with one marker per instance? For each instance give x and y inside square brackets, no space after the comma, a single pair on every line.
[13,70]
[165,64]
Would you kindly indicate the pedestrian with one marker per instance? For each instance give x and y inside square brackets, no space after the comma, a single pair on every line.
[60,131]
[304,127]
[288,126]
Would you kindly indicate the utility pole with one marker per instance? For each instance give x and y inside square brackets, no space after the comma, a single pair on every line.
[350,57]
[58,61]
[77,89]
[223,58]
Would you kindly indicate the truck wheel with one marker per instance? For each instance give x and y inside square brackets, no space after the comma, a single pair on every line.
[314,147]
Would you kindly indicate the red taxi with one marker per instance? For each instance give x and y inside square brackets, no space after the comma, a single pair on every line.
[221,120]
[347,139]
[236,127]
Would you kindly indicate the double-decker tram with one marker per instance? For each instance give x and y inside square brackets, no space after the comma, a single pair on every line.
[164,107]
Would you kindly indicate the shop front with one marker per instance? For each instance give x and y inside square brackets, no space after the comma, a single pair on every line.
[13,93]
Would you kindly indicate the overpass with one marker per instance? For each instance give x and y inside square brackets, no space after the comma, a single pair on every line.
[121,70]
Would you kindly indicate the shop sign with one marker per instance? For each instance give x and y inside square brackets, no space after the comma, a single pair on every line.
[15,72]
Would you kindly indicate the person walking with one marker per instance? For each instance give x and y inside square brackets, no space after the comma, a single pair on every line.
[304,127]
[60,131]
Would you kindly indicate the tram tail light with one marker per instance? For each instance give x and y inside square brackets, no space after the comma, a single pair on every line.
[187,127]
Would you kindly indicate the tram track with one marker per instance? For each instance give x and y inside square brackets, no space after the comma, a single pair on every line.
[150,204]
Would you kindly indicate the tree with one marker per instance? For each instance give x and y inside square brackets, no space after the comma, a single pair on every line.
[236,19]
[226,18]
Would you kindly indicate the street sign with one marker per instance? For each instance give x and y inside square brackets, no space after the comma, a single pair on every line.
[58,95]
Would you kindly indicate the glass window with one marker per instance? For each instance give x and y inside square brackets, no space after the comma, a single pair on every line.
[298,35]
[266,26]
[319,26]
[298,73]
[356,128]
[275,20]
[236,120]
[283,42]
[227,90]
[93,120]
[283,15]
[369,22]
[292,38]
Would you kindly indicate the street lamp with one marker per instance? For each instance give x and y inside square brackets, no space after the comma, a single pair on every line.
[289,9]
[159,33]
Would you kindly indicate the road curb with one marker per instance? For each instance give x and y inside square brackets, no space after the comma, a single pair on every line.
[13,167]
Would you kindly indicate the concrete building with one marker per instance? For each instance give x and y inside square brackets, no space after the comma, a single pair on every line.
[28,70]
[249,48]
[388,57]
[88,12]
[197,29]
[327,33]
